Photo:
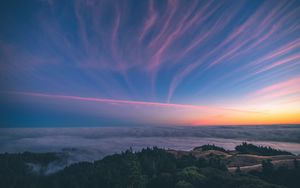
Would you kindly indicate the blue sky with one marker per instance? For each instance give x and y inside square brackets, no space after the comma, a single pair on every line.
[216,56]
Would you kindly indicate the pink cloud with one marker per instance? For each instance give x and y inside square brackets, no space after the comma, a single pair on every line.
[286,89]
[152,18]
[242,42]
[211,109]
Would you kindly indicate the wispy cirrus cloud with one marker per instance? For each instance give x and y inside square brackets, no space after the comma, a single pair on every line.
[252,35]
[195,52]
[281,89]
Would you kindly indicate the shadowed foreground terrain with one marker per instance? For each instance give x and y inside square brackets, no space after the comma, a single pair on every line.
[205,166]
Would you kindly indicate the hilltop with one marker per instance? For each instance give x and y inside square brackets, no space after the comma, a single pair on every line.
[246,157]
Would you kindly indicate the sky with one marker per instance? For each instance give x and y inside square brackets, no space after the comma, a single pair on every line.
[143,62]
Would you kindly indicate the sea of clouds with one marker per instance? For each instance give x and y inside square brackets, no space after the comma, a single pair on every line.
[89,144]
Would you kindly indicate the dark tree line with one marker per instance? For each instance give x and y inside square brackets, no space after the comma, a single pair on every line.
[259,150]
[149,168]
[210,147]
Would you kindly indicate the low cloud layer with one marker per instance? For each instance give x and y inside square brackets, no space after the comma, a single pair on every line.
[111,139]
[89,144]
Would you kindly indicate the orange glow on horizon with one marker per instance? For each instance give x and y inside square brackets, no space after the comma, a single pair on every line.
[183,114]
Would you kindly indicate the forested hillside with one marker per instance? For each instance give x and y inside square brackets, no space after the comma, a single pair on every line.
[149,168]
